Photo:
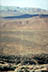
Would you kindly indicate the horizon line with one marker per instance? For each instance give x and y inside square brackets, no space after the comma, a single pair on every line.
[24,7]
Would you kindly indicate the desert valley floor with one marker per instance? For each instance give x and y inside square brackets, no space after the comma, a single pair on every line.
[24,44]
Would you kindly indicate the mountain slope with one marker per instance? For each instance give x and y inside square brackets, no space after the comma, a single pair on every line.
[24,36]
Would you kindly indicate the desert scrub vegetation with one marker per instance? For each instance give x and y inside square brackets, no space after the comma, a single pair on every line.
[23,69]
[23,63]
[29,59]
[7,68]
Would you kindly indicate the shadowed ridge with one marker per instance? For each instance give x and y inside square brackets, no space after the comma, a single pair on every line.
[26,16]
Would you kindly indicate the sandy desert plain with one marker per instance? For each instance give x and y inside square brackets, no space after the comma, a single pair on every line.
[24,44]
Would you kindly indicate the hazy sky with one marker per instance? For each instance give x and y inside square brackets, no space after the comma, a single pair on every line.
[26,3]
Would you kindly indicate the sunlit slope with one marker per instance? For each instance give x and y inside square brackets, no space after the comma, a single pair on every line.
[24,36]
[34,23]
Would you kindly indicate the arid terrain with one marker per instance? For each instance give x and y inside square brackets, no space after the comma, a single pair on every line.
[24,36]
[24,41]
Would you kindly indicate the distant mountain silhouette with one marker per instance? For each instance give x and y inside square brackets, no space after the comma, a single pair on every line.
[26,16]
[17,11]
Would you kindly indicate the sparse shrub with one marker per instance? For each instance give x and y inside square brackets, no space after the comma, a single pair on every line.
[7,68]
